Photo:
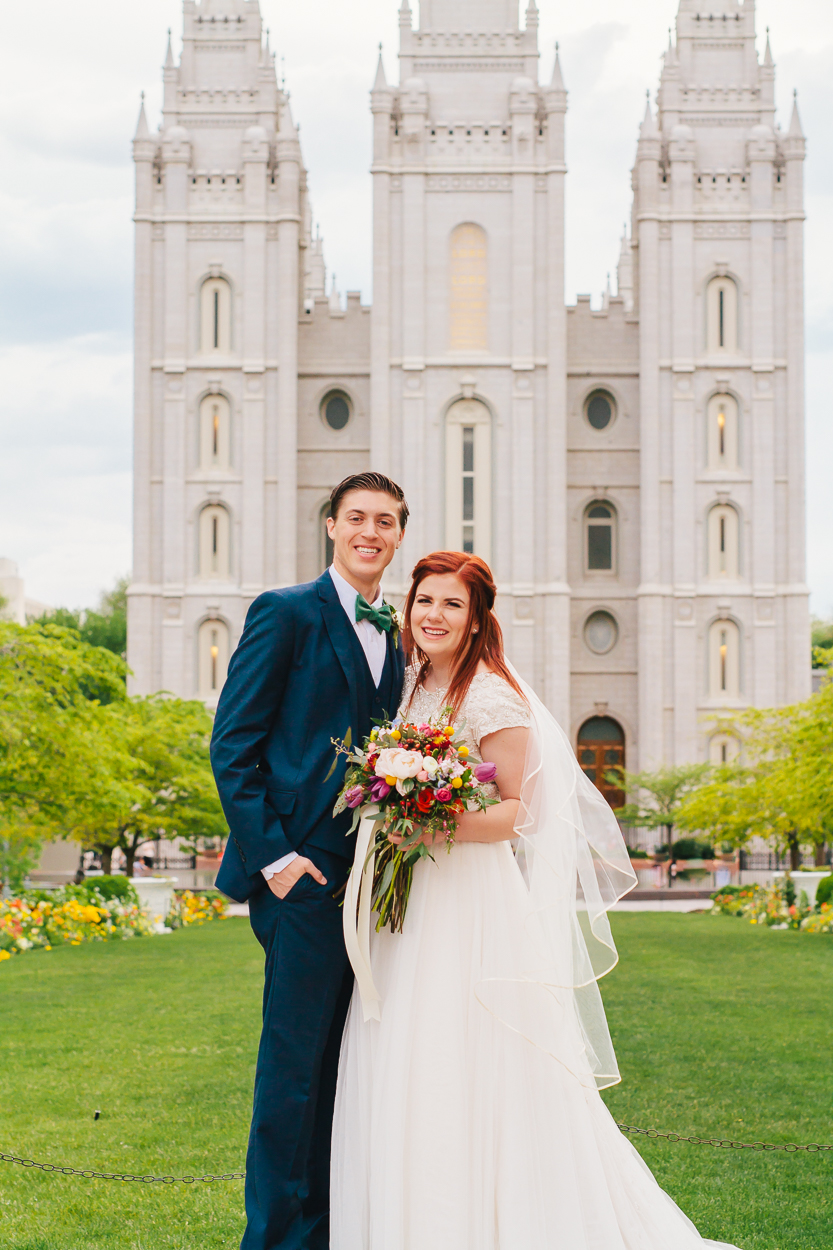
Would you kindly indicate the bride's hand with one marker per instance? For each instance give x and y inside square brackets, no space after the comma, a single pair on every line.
[429,839]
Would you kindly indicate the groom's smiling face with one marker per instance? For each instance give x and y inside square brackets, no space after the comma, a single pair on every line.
[366,533]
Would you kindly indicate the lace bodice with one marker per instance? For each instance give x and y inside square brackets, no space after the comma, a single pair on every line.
[490,705]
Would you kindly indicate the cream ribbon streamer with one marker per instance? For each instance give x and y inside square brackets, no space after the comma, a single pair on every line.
[356,914]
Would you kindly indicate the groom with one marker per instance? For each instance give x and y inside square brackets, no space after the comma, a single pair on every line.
[313,662]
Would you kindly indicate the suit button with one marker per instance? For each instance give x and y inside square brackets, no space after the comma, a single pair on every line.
[378,700]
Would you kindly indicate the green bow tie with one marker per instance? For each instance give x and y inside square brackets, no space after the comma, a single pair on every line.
[381,618]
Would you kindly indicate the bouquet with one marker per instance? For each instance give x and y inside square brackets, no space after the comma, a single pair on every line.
[418,780]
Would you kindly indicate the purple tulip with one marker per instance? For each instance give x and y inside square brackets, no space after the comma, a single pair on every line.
[379,790]
[485,772]
[355,796]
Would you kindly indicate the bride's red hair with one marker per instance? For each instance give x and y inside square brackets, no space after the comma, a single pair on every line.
[485,645]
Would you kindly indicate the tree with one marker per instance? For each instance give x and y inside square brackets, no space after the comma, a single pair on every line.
[54,689]
[162,785]
[106,627]
[659,795]
[822,641]
[782,790]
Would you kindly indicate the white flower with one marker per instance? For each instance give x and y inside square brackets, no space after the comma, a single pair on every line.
[399,763]
[430,765]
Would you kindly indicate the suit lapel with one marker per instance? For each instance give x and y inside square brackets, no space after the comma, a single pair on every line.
[339,629]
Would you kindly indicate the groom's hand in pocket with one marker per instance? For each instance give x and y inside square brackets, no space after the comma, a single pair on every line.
[282,882]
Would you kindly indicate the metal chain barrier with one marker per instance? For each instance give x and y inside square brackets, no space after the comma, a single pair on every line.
[91,1175]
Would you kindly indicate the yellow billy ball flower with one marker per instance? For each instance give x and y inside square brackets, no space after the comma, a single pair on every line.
[391,781]
[449,731]
[457,783]
[396,735]
[463,751]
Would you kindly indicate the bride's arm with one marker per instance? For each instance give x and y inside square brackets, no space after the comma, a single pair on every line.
[506,749]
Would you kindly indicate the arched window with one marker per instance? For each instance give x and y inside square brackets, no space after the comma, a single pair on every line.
[214,542]
[215,316]
[215,433]
[722,315]
[327,547]
[212,647]
[468,322]
[723,432]
[724,542]
[600,537]
[723,749]
[600,749]
[468,488]
[724,660]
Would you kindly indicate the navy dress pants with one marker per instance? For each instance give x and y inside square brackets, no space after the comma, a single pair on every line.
[307,992]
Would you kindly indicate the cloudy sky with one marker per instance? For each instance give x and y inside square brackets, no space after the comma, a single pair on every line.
[70,78]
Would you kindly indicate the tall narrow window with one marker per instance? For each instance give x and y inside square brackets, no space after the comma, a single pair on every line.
[601,750]
[469,478]
[722,316]
[215,433]
[212,649]
[724,660]
[723,432]
[600,545]
[723,749]
[468,295]
[724,542]
[215,314]
[214,542]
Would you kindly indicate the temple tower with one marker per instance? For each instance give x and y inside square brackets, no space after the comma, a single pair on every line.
[468,323]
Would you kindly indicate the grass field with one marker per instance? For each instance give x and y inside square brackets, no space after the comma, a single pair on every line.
[720,1030]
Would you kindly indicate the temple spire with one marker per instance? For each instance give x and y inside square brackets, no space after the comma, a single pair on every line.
[169,55]
[380,83]
[768,50]
[142,128]
[648,129]
[795,130]
[557,80]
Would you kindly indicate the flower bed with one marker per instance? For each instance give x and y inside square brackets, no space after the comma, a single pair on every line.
[43,919]
[776,906]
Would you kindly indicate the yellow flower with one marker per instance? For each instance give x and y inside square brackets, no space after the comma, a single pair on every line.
[457,783]
[396,735]
[449,731]
[374,734]
[462,752]
[391,781]
[4,955]
[47,948]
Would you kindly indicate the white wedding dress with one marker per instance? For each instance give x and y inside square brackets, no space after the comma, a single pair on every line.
[453,1130]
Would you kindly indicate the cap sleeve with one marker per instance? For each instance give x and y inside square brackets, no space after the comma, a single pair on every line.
[493,705]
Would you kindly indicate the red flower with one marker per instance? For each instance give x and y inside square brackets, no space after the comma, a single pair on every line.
[425,801]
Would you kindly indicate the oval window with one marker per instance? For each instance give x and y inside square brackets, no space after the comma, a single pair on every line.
[600,410]
[336,411]
[600,632]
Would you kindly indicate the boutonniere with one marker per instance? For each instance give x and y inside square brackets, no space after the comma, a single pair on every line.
[398,625]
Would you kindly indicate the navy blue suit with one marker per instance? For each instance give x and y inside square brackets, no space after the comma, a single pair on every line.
[298,679]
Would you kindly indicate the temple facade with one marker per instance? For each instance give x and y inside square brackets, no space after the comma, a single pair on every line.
[633,473]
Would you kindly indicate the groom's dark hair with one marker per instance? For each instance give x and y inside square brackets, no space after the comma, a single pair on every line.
[370,481]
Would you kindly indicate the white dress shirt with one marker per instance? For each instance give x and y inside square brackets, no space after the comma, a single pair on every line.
[375,646]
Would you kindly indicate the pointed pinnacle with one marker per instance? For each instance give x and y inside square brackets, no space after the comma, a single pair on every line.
[169,55]
[648,129]
[768,50]
[142,128]
[795,130]
[380,83]
[557,80]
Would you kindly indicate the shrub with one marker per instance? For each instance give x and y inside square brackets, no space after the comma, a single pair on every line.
[106,887]
[692,848]
[824,892]
[190,908]
[636,853]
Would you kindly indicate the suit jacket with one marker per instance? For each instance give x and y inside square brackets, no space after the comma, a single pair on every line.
[298,679]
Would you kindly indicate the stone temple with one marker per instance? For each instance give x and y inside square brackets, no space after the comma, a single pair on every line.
[634,475]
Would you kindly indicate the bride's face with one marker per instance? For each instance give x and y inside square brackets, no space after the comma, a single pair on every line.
[440,615]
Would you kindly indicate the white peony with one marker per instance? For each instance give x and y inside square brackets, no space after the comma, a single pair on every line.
[430,765]
[399,763]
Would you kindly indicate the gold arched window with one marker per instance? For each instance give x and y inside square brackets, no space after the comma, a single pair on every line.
[215,433]
[724,542]
[468,486]
[724,660]
[215,316]
[722,315]
[214,542]
[213,649]
[469,294]
[723,432]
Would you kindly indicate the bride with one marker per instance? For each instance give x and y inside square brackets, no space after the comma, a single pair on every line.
[469,1117]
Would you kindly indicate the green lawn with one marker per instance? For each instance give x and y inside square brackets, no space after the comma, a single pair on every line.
[720,1030]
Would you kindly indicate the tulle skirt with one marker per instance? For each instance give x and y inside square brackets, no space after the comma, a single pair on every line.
[452,1131]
